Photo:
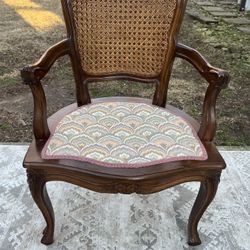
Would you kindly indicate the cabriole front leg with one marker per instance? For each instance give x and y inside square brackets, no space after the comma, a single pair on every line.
[37,185]
[207,191]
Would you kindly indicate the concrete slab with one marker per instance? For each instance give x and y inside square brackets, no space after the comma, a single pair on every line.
[205,3]
[238,20]
[223,14]
[228,3]
[200,17]
[244,29]
[213,8]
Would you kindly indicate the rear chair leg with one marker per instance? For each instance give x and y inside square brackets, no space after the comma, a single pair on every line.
[37,186]
[207,191]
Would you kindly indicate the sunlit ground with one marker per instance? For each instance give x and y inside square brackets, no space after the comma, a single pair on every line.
[34,14]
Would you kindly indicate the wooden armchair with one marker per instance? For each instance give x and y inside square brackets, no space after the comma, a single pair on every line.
[117,144]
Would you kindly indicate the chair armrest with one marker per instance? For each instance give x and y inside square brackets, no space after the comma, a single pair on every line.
[34,73]
[216,76]
[32,76]
[217,79]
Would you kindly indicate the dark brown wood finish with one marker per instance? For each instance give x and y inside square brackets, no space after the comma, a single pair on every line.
[160,96]
[37,185]
[207,191]
[217,79]
[114,180]
[32,75]
[82,92]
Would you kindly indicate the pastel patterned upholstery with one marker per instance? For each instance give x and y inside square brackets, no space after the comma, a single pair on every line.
[123,134]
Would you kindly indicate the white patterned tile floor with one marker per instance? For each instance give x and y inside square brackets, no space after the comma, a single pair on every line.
[89,220]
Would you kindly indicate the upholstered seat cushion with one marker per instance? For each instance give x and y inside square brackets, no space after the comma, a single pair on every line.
[123,134]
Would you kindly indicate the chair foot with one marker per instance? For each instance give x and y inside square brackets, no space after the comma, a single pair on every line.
[47,239]
[205,196]
[38,190]
[195,241]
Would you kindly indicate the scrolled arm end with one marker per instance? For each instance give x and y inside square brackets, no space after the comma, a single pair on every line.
[218,77]
[32,74]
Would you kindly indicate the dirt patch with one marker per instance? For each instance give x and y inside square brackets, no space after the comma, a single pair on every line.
[222,44]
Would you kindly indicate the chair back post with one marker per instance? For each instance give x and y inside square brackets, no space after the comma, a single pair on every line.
[160,95]
[82,92]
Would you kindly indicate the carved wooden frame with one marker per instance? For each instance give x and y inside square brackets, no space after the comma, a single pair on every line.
[144,180]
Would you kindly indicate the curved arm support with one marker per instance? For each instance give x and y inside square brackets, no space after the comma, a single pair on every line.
[40,124]
[215,76]
[217,79]
[32,76]
[34,73]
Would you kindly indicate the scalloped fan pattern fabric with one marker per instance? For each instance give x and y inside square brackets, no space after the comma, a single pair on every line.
[122,134]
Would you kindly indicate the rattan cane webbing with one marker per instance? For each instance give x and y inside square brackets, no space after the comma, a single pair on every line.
[123,36]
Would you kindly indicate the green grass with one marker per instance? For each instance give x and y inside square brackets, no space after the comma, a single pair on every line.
[5,125]
[226,140]
[8,80]
[4,70]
